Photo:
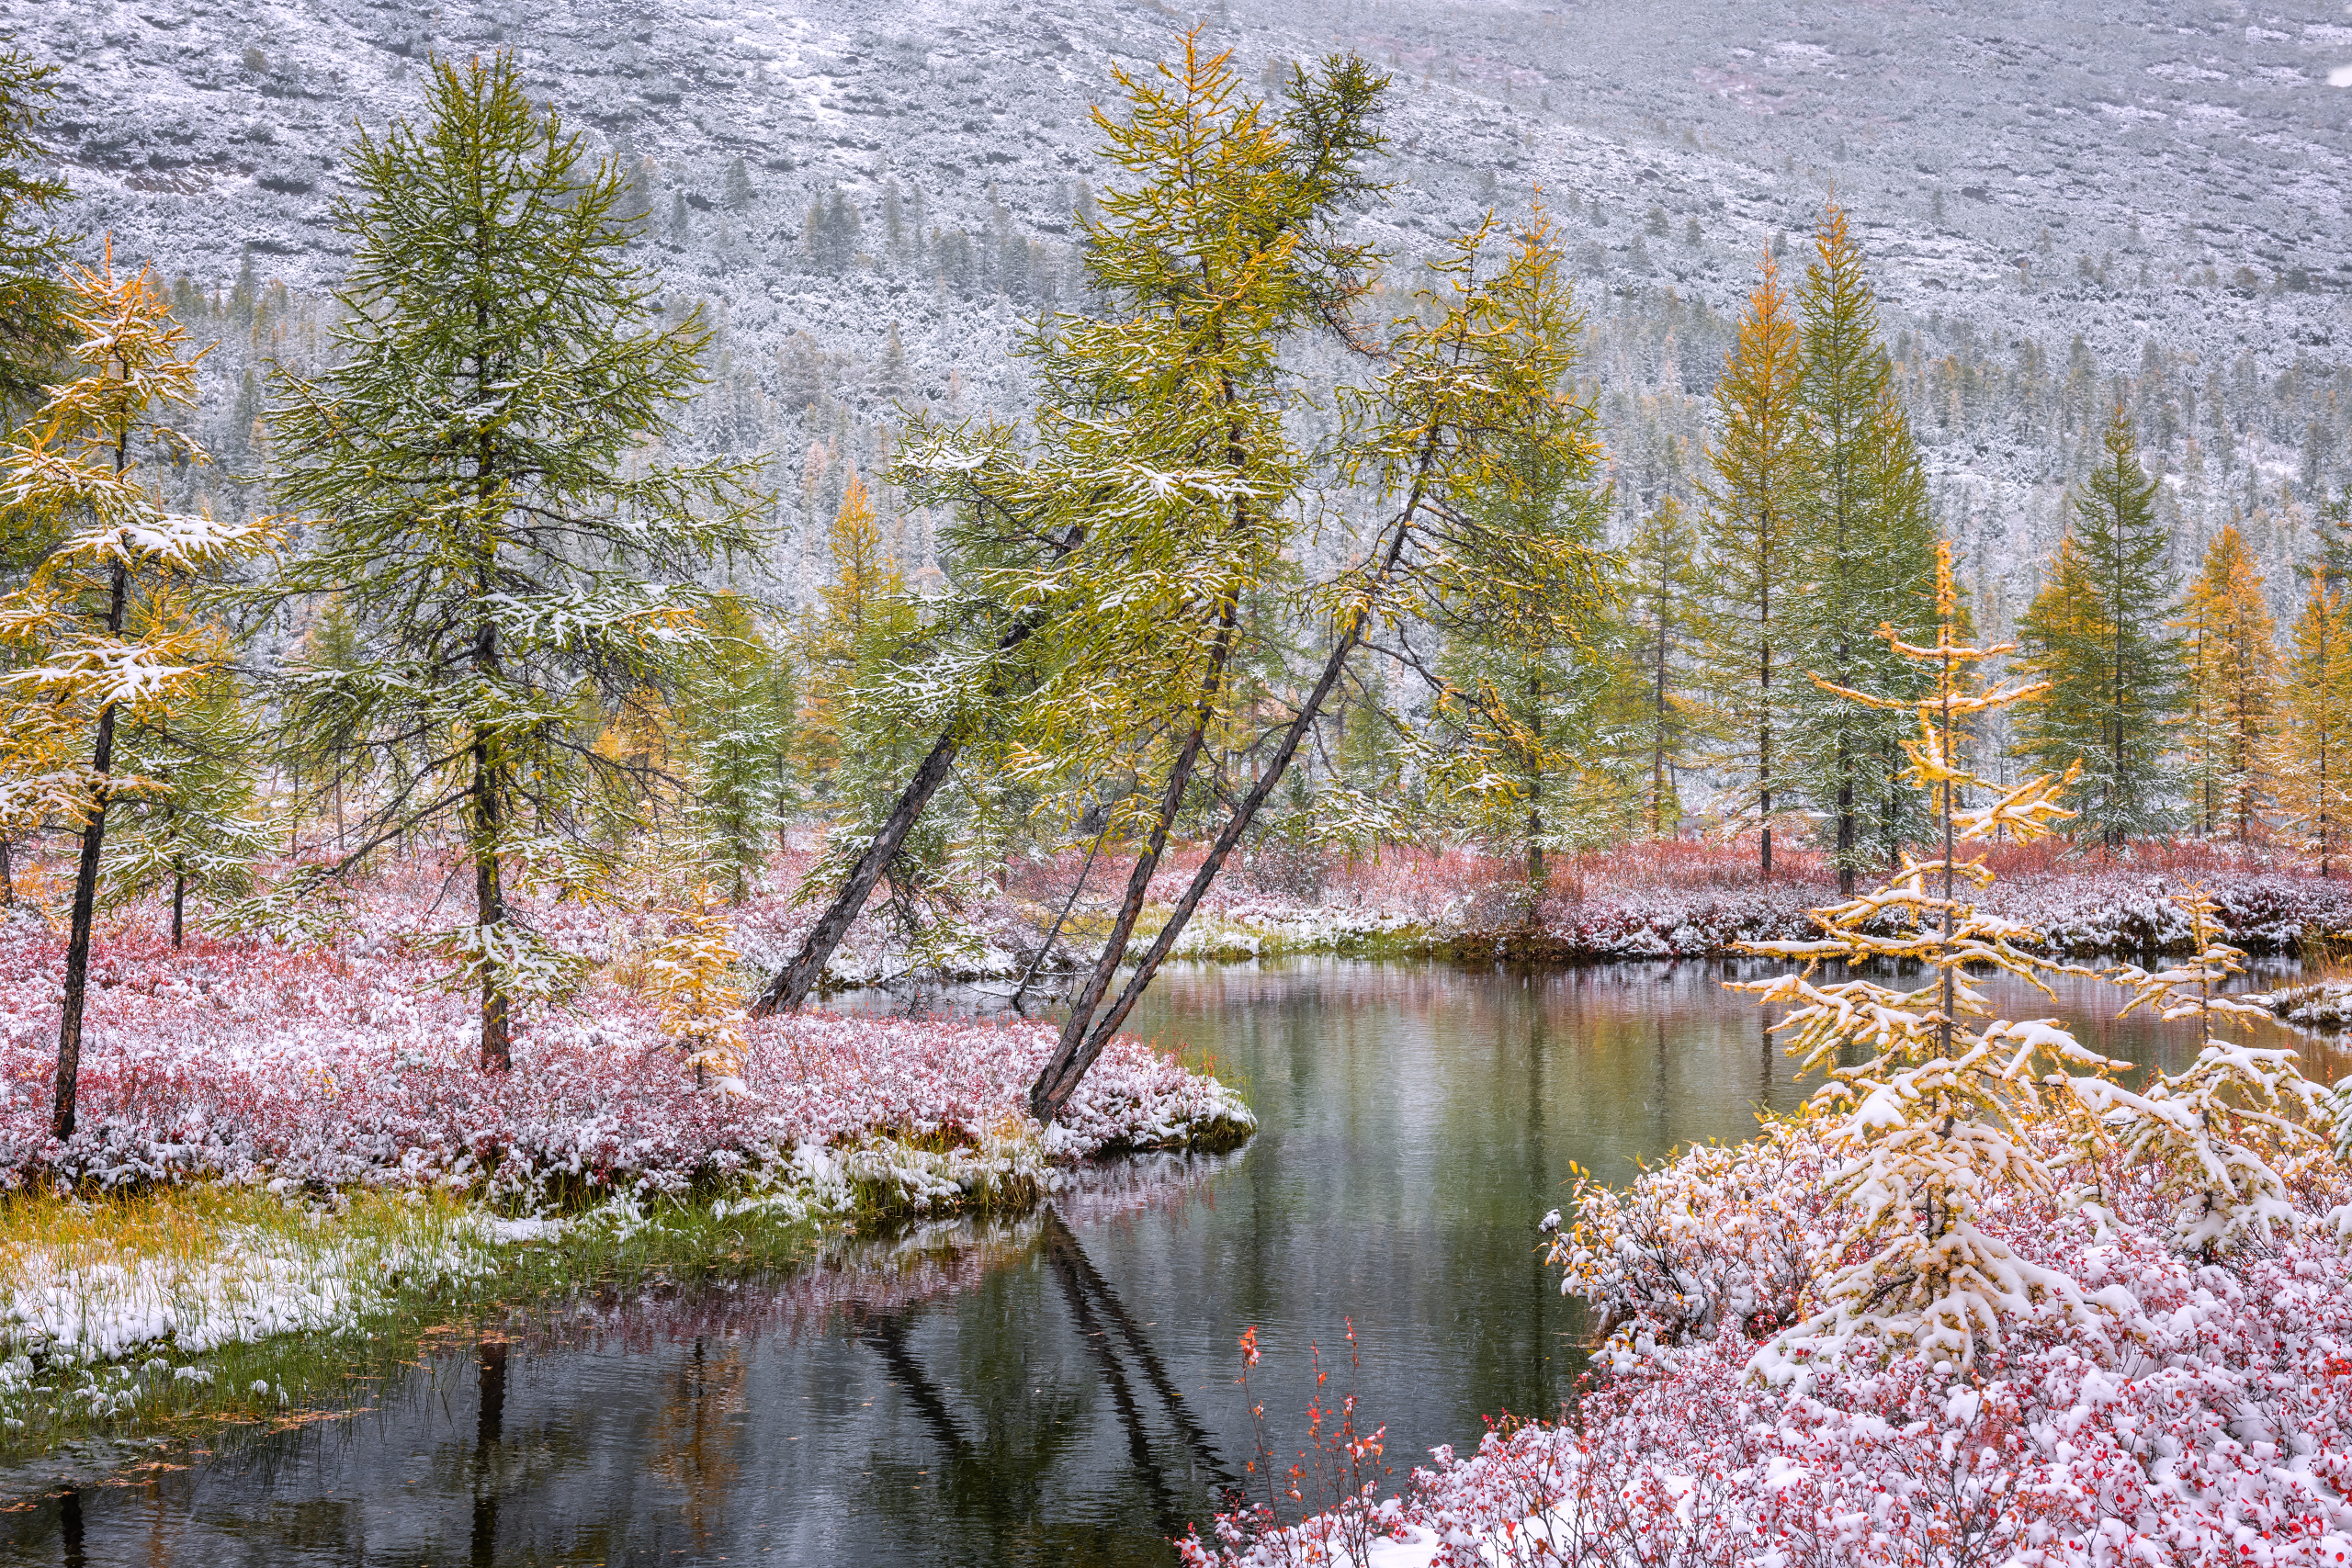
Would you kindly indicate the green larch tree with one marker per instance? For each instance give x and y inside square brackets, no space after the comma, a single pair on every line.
[1865,554]
[35,333]
[1530,728]
[198,826]
[2097,634]
[737,702]
[484,511]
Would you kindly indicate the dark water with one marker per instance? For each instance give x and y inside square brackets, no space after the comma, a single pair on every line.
[1060,1389]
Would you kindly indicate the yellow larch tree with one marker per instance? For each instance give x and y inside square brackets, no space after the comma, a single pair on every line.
[1762,470]
[90,656]
[2234,677]
[2312,758]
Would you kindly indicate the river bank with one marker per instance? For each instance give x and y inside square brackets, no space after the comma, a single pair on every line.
[277,1143]
[1670,899]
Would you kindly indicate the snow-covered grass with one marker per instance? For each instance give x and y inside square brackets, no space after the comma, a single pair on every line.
[1687,898]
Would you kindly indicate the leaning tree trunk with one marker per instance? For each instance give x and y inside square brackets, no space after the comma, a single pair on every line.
[792,984]
[1080,1043]
[1077,1047]
[799,977]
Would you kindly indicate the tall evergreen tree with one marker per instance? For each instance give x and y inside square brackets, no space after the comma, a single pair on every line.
[738,704]
[1664,612]
[1865,552]
[1536,748]
[2097,633]
[34,331]
[2231,687]
[1762,471]
[484,511]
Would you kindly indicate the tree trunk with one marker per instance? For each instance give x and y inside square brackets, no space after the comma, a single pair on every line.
[797,978]
[1076,1053]
[179,906]
[1845,819]
[793,982]
[1077,1047]
[85,888]
[490,914]
[1658,715]
[1764,742]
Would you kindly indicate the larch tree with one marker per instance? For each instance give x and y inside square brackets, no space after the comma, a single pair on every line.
[1761,459]
[2314,759]
[1528,727]
[1099,563]
[1865,554]
[2232,674]
[2223,1137]
[92,659]
[2097,636]
[198,826]
[858,739]
[485,511]
[1929,1090]
[1475,400]
[34,336]
[1662,617]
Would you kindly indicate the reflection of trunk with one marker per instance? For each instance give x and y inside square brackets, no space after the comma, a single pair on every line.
[69,1530]
[1063,1250]
[890,1337]
[1092,1336]
[489,1431]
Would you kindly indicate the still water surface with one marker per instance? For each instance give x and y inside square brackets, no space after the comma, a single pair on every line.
[1058,1389]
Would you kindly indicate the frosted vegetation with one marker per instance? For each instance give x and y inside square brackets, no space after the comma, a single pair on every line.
[582,610]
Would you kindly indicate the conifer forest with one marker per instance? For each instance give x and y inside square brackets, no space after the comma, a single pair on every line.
[1412,785]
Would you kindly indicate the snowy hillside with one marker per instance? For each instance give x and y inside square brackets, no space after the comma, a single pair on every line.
[870,198]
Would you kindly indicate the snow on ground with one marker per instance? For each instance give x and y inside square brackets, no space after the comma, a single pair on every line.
[2201,1414]
[351,1065]
[349,1068]
[1686,899]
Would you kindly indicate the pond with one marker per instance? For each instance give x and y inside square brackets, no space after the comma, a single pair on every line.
[1058,1389]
